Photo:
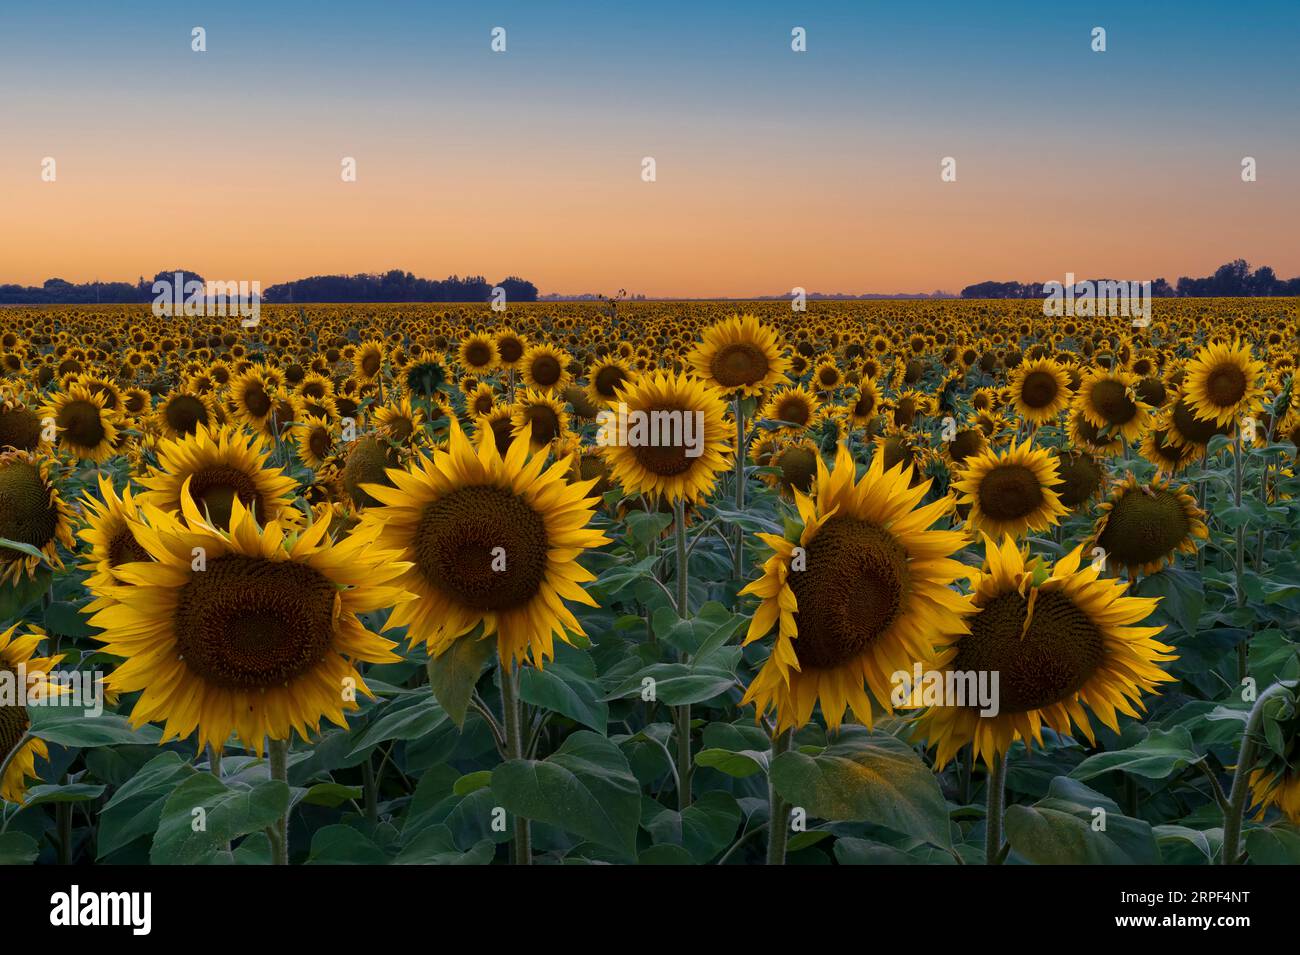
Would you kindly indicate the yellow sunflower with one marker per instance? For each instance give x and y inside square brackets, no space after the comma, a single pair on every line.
[1040,390]
[314,439]
[86,428]
[545,368]
[604,381]
[488,540]
[478,353]
[1224,383]
[542,414]
[1141,526]
[108,531]
[861,593]
[1058,641]
[258,636]
[739,355]
[15,653]
[32,512]
[798,406]
[213,470]
[368,361]
[1109,403]
[654,457]
[184,412]
[1011,493]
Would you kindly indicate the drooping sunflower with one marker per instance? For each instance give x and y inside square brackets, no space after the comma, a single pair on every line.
[739,355]
[86,428]
[489,540]
[184,412]
[1224,383]
[1011,493]
[1109,403]
[605,379]
[213,470]
[643,462]
[542,414]
[32,512]
[258,640]
[15,653]
[1082,478]
[1040,390]
[1059,641]
[1142,526]
[314,439]
[797,406]
[797,461]
[108,531]
[861,593]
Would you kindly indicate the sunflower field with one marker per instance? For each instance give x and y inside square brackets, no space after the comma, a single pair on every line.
[949,582]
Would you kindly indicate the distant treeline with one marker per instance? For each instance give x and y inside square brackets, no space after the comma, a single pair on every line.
[392,286]
[1234,279]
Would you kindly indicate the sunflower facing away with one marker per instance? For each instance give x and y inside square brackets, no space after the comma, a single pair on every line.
[488,540]
[1058,641]
[860,594]
[32,512]
[18,652]
[259,638]
[1141,526]
[217,469]
[1011,493]
[739,355]
[669,469]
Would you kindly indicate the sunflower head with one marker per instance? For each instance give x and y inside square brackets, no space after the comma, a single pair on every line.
[739,355]
[87,428]
[860,591]
[1224,383]
[1141,526]
[21,754]
[257,635]
[1011,493]
[1057,641]
[32,512]
[490,542]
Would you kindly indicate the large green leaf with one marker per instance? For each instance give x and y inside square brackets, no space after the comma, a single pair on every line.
[404,720]
[866,778]
[1158,756]
[454,672]
[134,810]
[1273,845]
[1064,828]
[185,837]
[703,829]
[567,686]
[71,726]
[18,848]
[343,845]
[585,787]
[676,684]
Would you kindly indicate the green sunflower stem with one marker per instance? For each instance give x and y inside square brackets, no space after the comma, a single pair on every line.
[278,751]
[512,720]
[997,783]
[1239,557]
[778,828]
[682,714]
[738,557]
[1233,816]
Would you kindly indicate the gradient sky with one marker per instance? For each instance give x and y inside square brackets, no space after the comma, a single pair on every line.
[775,169]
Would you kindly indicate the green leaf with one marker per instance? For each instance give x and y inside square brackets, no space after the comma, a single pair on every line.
[72,726]
[18,597]
[1183,596]
[472,781]
[134,810]
[738,765]
[18,848]
[1273,845]
[73,792]
[703,829]
[567,690]
[437,846]
[665,854]
[185,837]
[1205,843]
[404,720]
[676,684]
[585,787]
[331,795]
[866,778]
[454,673]
[1157,757]
[1064,828]
[67,620]
[28,549]
[343,845]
